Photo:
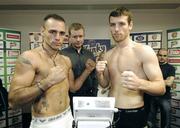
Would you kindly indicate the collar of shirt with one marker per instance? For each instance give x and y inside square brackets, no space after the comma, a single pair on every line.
[73,49]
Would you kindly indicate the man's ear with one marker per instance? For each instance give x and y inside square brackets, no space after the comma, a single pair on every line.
[131,25]
[42,29]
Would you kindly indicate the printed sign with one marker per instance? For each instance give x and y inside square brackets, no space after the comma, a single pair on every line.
[173,43]
[1,62]
[153,39]
[13,36]
[1,36]
[10,70]
[155,45]
[1,70]
[12,45]
[1,54]
[174,35]
[174,52]
[11,62]
[1,45]
[177,68]
[12,53]
[35,39]
[174,60]
[140,38]
[97,45]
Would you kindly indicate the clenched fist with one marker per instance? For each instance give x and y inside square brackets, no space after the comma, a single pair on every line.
[90,65]
[100,66]
[130,80]
[56,75]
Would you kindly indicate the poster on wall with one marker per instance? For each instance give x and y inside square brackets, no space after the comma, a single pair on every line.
[97,46]
[1,45]
[12,45]
[1,54]
[10,48]
[13,36]
[153,38]
[174,52]
[173,44]
[173,38]
[35,39]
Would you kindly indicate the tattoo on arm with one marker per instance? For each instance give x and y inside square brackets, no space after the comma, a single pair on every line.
[23,60]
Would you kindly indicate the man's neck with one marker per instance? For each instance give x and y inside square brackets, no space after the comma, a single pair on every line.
[49,50]
[124,43]
[78,49]
[162,63]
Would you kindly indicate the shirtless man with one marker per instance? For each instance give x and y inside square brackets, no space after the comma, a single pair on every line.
[131,69]
[43,77]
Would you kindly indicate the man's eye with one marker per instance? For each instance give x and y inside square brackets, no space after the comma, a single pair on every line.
[52,31]
[75,36]
[112,25]
[62,33]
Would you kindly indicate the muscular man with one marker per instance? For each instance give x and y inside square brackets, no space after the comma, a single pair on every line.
[83,63]
[43,77]
[131,69]
[163,102]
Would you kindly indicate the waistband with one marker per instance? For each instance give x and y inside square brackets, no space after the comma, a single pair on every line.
[131,110]
[50,118]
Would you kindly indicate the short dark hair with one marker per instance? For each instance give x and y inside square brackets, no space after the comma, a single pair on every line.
[54,16]
[75,26]
[121,11]
[161,49]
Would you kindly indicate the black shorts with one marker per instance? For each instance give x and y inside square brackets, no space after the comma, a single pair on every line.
[130,118]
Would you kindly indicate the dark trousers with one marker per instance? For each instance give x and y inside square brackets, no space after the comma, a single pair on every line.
[130,118]
[165,112]
[26,120]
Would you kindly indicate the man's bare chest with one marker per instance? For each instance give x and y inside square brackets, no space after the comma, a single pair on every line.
[120,63]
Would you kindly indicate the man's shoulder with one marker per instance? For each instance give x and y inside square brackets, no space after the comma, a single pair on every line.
[32,52]
[170,66]
[143,49]
[66,51]
[108,54]
[32,55]
[67,60]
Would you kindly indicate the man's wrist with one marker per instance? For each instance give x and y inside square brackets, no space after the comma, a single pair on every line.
[88,71]
[39,86]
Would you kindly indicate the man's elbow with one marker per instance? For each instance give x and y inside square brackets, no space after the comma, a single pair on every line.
[72,90]
[12,103]
[163,90]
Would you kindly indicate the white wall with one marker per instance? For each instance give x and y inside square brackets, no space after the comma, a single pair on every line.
[95,22]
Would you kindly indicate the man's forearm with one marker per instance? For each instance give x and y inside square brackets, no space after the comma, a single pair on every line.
[169,81]
[102,81]
[22,96]
[80,80]
[152,87]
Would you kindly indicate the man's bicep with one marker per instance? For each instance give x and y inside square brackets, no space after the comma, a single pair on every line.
[152,69]
[23,75]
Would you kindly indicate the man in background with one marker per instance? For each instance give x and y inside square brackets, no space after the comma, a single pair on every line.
[83,63]
[163,102]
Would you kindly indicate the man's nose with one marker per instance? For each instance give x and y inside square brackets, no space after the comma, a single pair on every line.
[58,36]
[78,38]
[117,27]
